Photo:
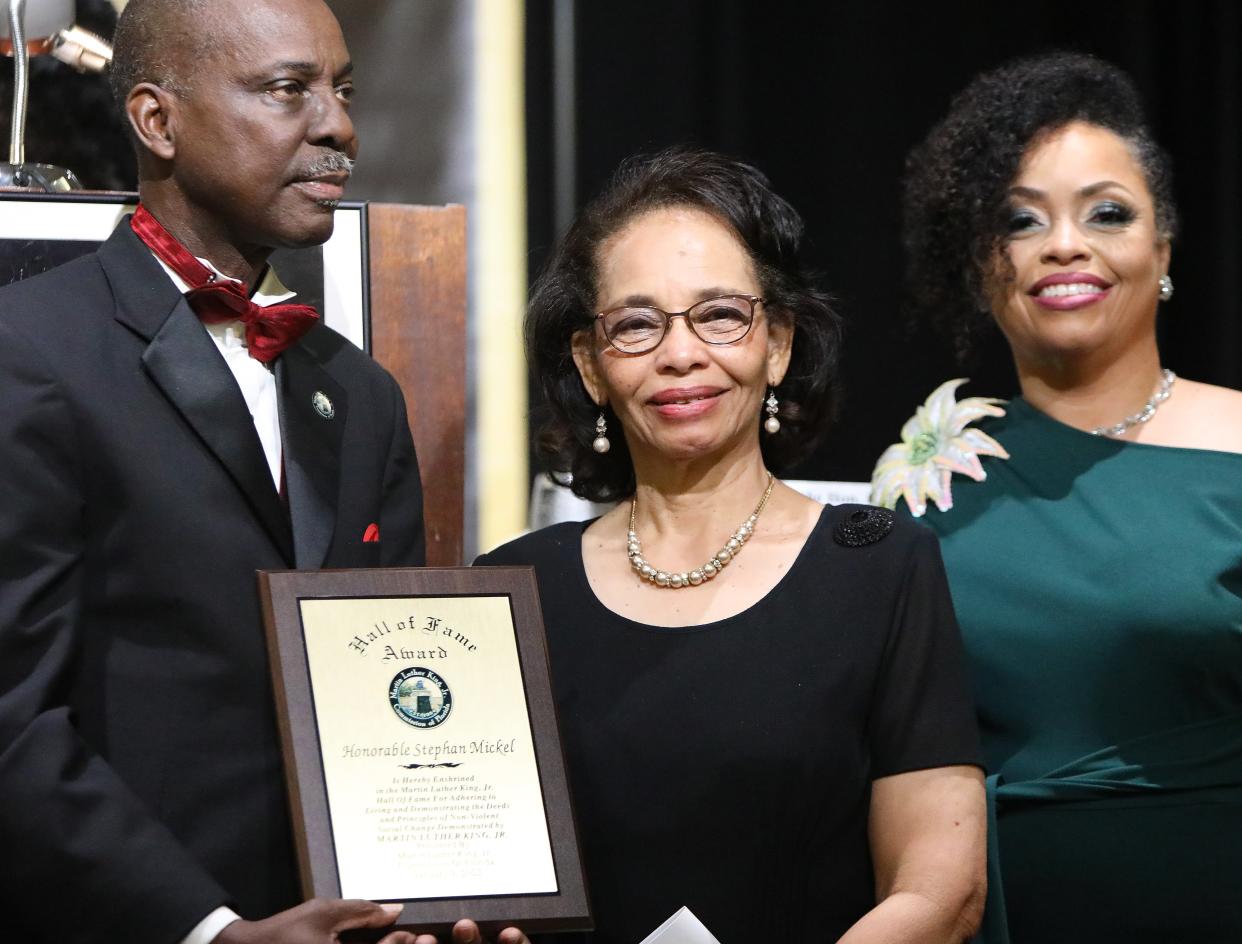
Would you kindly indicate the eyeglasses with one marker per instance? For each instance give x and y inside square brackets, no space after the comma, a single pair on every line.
[638,329]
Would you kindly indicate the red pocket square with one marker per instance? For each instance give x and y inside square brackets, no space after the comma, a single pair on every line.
[371,534]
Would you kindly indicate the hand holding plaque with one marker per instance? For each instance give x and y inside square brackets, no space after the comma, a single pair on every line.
[319,921]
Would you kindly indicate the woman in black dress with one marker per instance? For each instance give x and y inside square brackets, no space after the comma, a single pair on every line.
[762,699]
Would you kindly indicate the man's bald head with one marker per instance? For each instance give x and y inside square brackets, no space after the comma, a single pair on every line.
[160,41]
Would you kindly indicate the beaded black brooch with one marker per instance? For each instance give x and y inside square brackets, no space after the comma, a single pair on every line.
[863,527]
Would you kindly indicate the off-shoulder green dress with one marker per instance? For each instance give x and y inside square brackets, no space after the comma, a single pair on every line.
[1099,589]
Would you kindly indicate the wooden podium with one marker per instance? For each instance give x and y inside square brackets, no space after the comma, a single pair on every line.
[412,296]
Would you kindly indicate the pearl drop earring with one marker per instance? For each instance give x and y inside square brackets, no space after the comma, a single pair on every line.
[771,424]
[601,443]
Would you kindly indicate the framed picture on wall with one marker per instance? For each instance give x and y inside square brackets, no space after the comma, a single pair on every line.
[41,231]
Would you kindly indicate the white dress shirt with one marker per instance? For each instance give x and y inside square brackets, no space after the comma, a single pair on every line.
[257,383]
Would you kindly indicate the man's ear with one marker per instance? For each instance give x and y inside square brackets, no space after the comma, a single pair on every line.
[152,116]
[583,347]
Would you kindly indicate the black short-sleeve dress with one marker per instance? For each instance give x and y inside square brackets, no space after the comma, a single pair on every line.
[728,766]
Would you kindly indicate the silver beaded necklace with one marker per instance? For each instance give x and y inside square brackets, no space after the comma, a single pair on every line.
[1163,392]
[713,566]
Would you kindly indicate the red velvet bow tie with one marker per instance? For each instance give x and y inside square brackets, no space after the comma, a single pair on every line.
[269,330]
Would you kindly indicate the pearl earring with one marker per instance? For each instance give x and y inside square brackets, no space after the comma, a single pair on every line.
[771,424]
[1166,288]
[601,443]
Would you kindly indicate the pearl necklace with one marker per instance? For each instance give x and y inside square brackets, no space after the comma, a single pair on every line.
[1163,392]
[713,566]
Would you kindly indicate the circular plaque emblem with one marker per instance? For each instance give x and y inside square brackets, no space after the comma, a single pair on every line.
[420,697]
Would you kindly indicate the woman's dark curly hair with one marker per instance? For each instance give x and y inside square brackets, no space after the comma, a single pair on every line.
[564,300]
[956,183]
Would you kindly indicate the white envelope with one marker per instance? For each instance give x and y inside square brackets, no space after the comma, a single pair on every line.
[682,928]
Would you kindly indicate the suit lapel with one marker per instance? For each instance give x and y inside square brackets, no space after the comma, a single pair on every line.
[312,423]
[184,363]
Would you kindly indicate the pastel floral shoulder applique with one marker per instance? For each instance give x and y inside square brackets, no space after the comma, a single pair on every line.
[935,443]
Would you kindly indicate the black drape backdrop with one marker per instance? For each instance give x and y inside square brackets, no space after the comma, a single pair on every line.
[827,98]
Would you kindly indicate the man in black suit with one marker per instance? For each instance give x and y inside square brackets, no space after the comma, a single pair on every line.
[150,462]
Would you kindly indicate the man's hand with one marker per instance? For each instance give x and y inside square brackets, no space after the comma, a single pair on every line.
[320,921]
[466,931]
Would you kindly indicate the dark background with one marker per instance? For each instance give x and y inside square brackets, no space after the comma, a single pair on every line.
[827,98]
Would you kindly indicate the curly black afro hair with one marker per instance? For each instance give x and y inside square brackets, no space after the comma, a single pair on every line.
[957,180]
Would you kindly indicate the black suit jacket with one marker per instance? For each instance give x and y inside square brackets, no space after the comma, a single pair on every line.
[140,774]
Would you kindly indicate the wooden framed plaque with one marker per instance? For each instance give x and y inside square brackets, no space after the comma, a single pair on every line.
[421,746]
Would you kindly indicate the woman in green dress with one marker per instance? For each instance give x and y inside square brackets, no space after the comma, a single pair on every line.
[1092,526]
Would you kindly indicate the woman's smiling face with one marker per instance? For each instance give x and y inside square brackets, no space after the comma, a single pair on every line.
[686,399]
[1079,273]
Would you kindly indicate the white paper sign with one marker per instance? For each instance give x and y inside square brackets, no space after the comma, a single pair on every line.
[682,928]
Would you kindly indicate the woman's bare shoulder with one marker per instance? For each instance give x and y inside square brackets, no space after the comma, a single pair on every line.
[1212,395]
[1200,416]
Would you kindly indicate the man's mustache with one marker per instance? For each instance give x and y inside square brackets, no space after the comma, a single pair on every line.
[330,162]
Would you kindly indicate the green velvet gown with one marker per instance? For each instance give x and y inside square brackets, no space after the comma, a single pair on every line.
[1099,589]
